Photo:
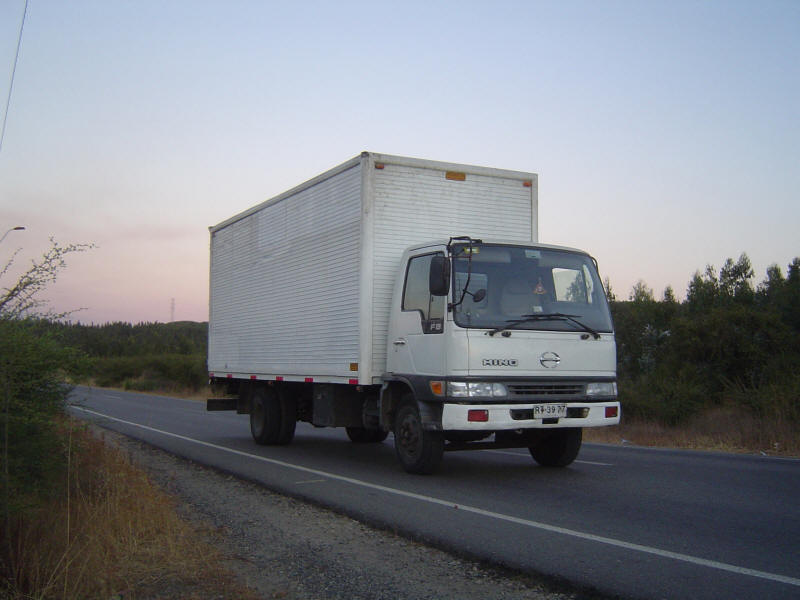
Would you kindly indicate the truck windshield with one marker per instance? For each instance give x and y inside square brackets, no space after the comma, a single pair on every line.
[528,288]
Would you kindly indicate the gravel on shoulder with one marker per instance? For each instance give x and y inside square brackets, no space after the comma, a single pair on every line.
[281,547]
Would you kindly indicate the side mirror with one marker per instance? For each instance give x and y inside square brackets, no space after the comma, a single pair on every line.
[439,275]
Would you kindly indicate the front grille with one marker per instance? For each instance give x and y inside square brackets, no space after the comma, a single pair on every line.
[546,389]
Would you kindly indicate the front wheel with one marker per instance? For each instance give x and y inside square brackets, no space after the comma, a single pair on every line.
[559,448]
[419,450]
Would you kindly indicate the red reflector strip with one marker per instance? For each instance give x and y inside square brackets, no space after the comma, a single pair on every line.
[309,379]
[527,183]
[353,382]
[478,416]
[279,378]
[229,376]
[611,412]
[252,377]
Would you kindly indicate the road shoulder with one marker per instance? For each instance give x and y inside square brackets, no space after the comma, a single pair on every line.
[283,548]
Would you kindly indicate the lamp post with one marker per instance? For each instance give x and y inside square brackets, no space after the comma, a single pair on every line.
[17,228]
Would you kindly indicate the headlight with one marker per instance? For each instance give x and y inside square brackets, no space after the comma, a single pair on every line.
[462,389]
[608,388]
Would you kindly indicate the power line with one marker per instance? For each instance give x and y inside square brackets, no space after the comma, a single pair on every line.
[13,72]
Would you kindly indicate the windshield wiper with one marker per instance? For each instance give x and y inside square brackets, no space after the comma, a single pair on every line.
[512,323]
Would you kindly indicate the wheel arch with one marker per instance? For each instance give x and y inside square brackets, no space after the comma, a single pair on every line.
[391,395]
[396,391]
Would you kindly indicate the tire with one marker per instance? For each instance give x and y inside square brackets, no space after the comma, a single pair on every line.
[265,416]
[362,435]
[418,450]
[288,417]
[559,448]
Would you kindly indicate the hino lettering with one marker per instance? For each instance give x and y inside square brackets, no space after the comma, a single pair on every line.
[500,362]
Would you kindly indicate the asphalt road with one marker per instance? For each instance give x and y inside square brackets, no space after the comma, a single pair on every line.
[624,521]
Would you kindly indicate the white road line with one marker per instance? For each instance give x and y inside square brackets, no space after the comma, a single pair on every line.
[695,560]
[526,455]
[310,481]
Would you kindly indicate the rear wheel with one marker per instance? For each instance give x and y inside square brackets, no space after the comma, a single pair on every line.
[288,417]
[419,450]
[362,435]
[559,448]
[265,416]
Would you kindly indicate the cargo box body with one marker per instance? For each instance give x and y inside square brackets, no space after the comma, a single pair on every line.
[301,285]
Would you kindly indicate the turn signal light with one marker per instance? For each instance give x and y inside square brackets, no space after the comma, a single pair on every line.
[437,388]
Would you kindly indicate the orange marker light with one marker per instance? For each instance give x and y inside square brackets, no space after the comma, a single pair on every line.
[437,387]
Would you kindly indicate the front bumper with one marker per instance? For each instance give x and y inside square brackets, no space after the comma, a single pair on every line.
[455,417]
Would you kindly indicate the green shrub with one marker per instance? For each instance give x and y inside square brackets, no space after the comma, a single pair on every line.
[776,399]
[33,394]
[668,400]
[164,372]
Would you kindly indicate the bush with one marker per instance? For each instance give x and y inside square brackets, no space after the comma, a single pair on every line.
[666,400]
[32,371]
[167,372]
[777,400]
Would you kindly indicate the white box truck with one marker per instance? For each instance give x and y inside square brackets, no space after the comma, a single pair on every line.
[409,296]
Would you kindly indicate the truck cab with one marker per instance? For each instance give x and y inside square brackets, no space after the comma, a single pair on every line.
[497,344]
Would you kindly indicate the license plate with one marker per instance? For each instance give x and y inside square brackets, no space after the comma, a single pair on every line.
[549,411]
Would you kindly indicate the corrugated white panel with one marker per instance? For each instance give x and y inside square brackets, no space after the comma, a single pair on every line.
[285,284]
[417,204]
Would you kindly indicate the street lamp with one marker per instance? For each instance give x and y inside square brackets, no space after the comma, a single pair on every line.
[17,228]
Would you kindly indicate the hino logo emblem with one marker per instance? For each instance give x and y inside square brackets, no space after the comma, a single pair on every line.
[500,362]
[549,360]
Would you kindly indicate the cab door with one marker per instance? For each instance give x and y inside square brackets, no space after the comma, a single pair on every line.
[417,343]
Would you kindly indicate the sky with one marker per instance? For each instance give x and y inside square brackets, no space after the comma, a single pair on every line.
[666,135]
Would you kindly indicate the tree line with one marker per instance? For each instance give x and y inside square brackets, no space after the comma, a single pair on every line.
[125,339]
[730,342]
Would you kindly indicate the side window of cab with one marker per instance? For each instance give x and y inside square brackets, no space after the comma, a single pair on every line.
[417,296]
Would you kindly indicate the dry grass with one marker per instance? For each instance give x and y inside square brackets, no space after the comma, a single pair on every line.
[200,395]
[728,429]
[113,535]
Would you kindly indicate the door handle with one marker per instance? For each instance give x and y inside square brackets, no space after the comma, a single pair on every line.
[400,342]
